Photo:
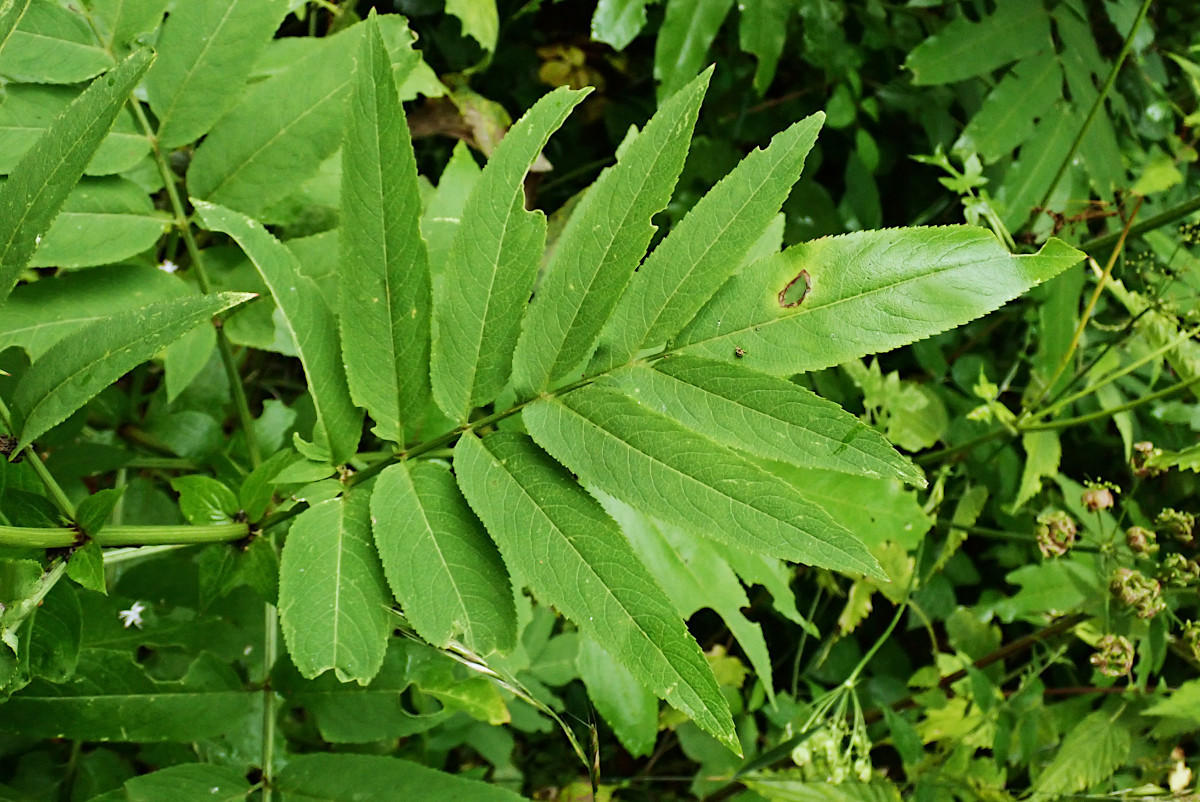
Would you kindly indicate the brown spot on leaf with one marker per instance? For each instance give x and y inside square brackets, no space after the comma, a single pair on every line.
[788,297]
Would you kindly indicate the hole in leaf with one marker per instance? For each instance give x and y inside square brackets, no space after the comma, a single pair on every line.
[796,290]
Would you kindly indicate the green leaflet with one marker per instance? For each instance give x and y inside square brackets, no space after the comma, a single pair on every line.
[27,110]
[112,699]
[11,12]
[628,707]
[764,415]
[39,184]
[103,221]
[281,130]
[40,314]
[1007,117]
[762,30]
[54,634]
[863,293]
[347,777]
[189,782]
[118,22]
[664,469]
[311,323]
[384,286]
[83,363]
[1089,754]
[444,209]
[332,595]
[557,539]
[445,572]
[705,249]
[617,22]
[602,244]
[479,20]
[491,267]
[695,577]
[52,45]
[964,49]
[688,29]
[1028,180]
[206,51]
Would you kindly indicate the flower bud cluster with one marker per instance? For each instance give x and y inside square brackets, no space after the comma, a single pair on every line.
[835,752]
[1114,656]
[1179,525]
[1178,571]
[1142,460]
[1141,541]
[1138,591]
[1055,533]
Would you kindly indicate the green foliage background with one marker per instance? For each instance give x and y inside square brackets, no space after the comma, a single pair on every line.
[964,568]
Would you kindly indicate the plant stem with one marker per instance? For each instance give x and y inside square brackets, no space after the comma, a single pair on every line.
[1101,244]
[236,390]
[1098,103]
[1108,413]
[57,495]
[270,653]
[170,535]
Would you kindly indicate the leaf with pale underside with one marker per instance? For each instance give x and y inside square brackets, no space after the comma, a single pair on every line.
[86,361]
[308,318]
[834,299]
[332,594]
[700,253]
[602,244]
[445,572]
[664,469]
[559,541]
[39,184]
[491,267]
[384,287]
[764,415]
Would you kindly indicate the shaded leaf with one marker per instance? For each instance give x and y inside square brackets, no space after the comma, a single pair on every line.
[762,30]
[479,20]
[1006,119]
[324,777]
[626,704]
[653,463]
[964,49]
[558,540]
[189,782]
[688,30]
[617,22]
[1093,749]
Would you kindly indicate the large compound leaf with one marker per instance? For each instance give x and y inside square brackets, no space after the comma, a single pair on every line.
[112,699]
[705,248]
[40,183]
[311,323]
[206,52]
[53,45]
[605,239]
[491,267]
[103,221]
[82,364]
[559,541]
[765,415]
[825,302]
[332,594]
[384,285]
[964,49]
[348,778]
[660,467]
[688,30]
[445,572]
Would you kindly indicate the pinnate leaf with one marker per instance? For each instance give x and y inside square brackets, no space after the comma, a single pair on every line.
[664,469]
[834,299]
[332,594]
[559,541]
[491,267]
[82,364]
[699,254]
[602,244]
[310,322]
[445,572]
[41,181]
[384,285]
[764,415]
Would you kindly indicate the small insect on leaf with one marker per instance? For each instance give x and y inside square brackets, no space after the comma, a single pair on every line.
[787,296]
[739,352]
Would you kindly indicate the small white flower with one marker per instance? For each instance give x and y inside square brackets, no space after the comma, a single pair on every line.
[133,616]
[168,266]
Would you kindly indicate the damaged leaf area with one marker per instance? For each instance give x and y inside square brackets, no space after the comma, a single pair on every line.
[879,290]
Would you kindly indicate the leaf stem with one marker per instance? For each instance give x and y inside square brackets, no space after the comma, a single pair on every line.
[1098,103]
[1108,413]
[57,494]
[1101,244]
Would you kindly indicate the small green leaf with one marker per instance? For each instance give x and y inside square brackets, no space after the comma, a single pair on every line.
[332,594]
[557,539]
[1042,454]
[39,184]
[204,500]
[1093,749]
[491,267]
[660,467]
[626,704]
[87,567]
[385,296]
[705,248]
[93,512]
[602,244]
[1027,181]
[762,30]
[82,364]
[206,51]
[52,45]
[828,301]
[119,22]
[479,20]
[311,323]
[964,49]
[688,30]
[189,782]
[348,777]
[1006,119]
[763,415]
[103,221]
[445,572]
[617,22]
